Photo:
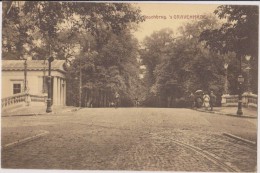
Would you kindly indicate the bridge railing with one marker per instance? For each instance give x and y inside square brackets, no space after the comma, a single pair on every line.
[13,100]
[21,99]
[248,100]
[38,98]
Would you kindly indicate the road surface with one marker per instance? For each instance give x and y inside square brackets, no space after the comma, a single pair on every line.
[150,139]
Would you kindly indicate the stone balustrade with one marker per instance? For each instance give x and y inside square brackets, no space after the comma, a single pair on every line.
[248,100]
[38,98]
[21,99]
[13,100]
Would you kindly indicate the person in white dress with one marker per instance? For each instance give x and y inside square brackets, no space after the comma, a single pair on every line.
[206,100]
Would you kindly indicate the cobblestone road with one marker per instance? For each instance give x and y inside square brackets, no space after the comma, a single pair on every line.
[131,139]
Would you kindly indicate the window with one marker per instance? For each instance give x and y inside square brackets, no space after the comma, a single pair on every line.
[16,88]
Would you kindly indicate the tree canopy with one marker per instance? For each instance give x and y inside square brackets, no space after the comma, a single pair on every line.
[237,34]
[94,37]
[39,24]
[180,64]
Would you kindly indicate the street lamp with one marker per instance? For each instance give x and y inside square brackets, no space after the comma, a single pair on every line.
[49,87]
[26,91]
[248,73]
[80,79]
[240,81]
[226,79]
[80,83]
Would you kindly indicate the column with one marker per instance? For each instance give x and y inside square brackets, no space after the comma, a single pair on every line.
[65,85]
[55,80]
[61,91]
[58,91]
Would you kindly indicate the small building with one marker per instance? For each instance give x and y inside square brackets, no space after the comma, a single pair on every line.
[14,73]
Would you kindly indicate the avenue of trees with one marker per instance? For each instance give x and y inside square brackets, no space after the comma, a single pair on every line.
[103,55]
[194,59]
[178,65]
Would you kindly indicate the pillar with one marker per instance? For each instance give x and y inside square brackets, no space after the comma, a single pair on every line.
[61,91]
[58,91]
[65,85]
[55,80]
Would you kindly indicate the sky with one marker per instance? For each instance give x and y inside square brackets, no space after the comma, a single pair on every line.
[164,15]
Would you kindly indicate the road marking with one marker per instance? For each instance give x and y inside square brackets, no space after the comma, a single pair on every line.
[226,166]
[22,141]
[240,139]
[211,157]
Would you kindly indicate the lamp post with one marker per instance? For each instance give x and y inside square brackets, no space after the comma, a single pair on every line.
[248,73]
[49,109]
[80,75]
[26,91]
[240,82]
[226,78]
[80,82]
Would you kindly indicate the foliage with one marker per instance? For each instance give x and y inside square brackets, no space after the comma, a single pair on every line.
[41,25]
[114,68]
[237,34]
[181,64]
[94,37]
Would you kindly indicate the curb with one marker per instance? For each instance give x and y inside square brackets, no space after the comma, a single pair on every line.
[13,115]
[252,143]
[228,114]
[25,140]
[45,113]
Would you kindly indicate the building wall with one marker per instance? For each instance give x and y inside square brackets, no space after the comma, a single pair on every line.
[35,84]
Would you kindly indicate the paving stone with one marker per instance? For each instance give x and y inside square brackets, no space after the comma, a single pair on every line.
[130,139]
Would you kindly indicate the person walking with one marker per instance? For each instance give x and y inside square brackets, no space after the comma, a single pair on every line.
[117,98]
[206,100]
[192,100]
[212,100]
[136,102]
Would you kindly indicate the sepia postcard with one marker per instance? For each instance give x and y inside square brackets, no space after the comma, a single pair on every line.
[129,86]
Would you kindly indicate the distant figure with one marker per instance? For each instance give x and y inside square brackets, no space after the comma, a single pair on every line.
[117,99]
[206,100]
[212,100]
[111,104]
[136,102]
[192,100]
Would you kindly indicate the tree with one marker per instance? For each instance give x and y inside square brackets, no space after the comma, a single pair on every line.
[237,34]
[113,68]
[15,31]
[41,23]
[184,65]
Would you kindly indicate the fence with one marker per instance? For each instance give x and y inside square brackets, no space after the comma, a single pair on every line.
[248,100]
[13,101]
[21,99]
[37,98]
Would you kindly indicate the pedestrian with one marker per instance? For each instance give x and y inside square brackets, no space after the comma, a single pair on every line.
[136,102]
[206,100]
[212,100]
[117,98]
[192,100]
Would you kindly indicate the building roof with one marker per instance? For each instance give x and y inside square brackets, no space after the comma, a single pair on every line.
[33,65]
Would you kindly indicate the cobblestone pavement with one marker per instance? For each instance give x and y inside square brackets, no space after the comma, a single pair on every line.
[131,139]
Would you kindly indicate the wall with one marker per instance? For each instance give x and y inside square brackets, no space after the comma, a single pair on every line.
[34,83]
